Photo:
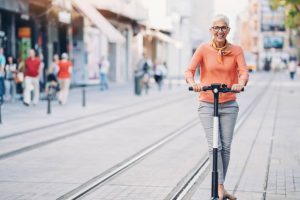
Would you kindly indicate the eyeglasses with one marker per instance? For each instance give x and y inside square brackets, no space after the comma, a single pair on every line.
[222,28]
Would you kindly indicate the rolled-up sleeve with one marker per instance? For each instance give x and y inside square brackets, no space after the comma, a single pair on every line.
[242,67]
[196,59]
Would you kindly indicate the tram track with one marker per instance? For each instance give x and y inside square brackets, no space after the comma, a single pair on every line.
[55,124]
[36,145]
[183,187]
[95,182]
[264,195]
[187,186]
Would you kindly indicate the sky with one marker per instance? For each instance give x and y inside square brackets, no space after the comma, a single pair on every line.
[230,8]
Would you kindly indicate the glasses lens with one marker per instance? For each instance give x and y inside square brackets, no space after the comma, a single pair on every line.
[222,28]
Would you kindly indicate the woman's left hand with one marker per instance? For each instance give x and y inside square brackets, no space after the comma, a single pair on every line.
[237,87]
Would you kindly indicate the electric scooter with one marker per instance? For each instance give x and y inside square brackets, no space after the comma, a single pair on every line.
[216,88]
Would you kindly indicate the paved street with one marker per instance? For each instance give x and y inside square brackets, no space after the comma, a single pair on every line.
[154,143]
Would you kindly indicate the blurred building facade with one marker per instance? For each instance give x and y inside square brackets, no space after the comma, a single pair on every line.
[263,35]
[168,31]
[44,25]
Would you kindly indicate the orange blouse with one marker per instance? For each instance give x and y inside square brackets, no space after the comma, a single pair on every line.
[232,69]
[64,69]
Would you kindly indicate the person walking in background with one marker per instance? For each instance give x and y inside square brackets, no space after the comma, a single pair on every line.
[32,69]
[220,62]
[145,66]
[42,81]
[104,69]
[64,78]
[51,75]
[160,72]
[10,76]
[2,74]
[19,79]
[292,67]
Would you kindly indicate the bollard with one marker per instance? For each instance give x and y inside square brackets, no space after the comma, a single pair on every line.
[1,102]
[137,83]
[0,112]
[48,104]
[83,96]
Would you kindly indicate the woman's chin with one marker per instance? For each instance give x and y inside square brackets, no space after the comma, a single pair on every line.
[220,39]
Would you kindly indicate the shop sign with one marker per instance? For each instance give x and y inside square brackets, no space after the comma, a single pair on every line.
[25,17]
[24,32]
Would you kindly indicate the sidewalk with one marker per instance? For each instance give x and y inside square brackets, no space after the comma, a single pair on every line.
[15,115]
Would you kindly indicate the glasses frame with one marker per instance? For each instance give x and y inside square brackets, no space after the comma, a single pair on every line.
[220,28]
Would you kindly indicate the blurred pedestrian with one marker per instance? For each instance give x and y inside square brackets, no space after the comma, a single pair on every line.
[160,72]
[19,79]
[2,74]
[32,73]
[51,76]
[104,69]
[64,78]
[145,66]
[42,81]
[292,67]
[220,62]
[10,76]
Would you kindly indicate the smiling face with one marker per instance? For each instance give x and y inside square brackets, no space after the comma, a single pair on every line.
[219,30]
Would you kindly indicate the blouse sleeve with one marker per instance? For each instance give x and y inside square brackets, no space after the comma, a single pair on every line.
[196,59]
[242,67]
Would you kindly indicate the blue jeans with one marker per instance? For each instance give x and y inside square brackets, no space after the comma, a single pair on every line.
[103,81]
[2,89]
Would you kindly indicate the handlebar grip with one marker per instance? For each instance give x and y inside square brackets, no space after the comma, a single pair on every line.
[205,88]
[191,88]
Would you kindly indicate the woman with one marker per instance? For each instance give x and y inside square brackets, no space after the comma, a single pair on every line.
[64,75]
[292,67]
[10,74]
[104,69]
[220,62]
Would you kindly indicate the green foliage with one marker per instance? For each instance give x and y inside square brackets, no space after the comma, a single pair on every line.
[292,13]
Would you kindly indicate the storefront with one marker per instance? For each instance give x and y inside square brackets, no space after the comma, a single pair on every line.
[13,14]
[100,40]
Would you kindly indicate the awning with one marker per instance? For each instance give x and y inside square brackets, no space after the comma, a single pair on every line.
[164,37]
[130,9]
[99,21]
[19,6]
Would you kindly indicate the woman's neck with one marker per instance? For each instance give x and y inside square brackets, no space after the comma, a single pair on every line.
[220,44]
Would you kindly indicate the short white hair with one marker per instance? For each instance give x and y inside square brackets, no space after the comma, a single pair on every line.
[220,17]
[64,56]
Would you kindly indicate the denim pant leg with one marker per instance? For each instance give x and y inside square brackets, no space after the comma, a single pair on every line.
[2,90]
[228,113]
[227,121]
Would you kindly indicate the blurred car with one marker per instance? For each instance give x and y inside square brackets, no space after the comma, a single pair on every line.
[251,68]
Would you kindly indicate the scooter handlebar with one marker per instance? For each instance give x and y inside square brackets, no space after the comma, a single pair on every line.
[205,88]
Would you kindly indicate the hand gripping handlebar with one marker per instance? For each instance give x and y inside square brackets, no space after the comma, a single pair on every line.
[216,86]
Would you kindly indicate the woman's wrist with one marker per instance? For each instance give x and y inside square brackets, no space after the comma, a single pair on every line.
[190,81]
[242,82]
